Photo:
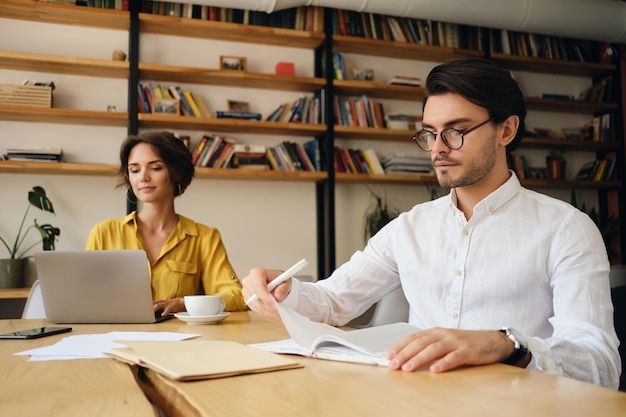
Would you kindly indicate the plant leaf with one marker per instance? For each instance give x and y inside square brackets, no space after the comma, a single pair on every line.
[48,235]
[37,197]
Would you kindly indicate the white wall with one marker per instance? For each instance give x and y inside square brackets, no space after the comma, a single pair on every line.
[262,223]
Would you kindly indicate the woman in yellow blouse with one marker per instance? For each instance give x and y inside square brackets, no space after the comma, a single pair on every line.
[185,257]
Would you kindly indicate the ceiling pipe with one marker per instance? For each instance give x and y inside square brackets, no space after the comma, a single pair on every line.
[599,20]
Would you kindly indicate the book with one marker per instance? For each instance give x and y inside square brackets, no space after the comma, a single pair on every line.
[587,171]
[318,340]
[238,115]
[200,359]
[404,80]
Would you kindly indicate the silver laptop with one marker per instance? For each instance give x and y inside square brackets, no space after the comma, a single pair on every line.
[106,286]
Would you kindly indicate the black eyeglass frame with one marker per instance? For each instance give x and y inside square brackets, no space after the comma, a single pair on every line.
[442,134]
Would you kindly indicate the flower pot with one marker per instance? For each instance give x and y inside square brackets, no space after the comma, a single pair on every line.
[556,169]
[12,273]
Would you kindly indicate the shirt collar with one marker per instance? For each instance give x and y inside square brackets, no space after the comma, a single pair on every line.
[184,226]
[495,200]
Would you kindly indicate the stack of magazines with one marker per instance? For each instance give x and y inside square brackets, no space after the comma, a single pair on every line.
[407,164]
[34,154]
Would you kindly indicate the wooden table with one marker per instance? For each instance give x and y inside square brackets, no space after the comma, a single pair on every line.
[321,388]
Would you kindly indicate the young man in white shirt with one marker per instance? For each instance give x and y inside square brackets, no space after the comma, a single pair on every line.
[493,272]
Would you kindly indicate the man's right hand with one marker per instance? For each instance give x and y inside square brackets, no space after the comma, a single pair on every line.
[256,283]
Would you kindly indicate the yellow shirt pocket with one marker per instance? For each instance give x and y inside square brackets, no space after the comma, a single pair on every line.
[184,277]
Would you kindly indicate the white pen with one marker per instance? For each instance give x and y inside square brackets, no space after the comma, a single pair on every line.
[280,279]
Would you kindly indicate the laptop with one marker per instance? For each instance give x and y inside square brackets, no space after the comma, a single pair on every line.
[103,286]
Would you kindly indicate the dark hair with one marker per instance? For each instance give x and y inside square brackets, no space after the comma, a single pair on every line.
[483,83]
[170,149]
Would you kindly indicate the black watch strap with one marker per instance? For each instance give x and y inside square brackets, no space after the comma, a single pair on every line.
[519,352]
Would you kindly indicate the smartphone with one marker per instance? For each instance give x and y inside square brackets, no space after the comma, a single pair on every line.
[35,333]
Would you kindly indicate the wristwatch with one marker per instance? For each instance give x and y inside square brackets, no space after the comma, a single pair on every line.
[521,348]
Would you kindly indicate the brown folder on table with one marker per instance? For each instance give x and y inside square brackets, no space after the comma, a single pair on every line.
[201,359]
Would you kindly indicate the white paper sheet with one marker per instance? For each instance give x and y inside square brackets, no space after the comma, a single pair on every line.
[90,346]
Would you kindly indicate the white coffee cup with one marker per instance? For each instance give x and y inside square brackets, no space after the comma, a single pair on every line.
[204,305]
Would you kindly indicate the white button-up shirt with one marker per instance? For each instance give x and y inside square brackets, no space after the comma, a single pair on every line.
[523,260]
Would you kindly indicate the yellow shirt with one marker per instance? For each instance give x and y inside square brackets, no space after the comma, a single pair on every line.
[193,260]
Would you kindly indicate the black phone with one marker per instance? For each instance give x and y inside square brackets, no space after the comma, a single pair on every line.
[35,333]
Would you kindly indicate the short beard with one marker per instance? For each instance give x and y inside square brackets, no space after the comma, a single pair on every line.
[477,168]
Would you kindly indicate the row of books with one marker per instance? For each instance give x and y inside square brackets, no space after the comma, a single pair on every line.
[599,170]
[153,98]
[357,161]
[294,156]
[217,151]
[52,154]
[299,18]
[306,109]
[542,46]
[403,29]
[599,128]
[361,112]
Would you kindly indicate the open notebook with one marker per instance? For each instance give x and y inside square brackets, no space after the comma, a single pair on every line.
[319,340]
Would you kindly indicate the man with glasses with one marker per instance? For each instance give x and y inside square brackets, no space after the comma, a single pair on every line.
[493,272]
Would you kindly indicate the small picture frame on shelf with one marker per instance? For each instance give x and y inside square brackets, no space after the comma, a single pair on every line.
[166,105]
[233,63]
[363,74]
[572,133]
[545,133]
[234,105]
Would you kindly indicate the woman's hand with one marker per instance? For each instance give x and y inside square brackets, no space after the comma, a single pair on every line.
[167,307]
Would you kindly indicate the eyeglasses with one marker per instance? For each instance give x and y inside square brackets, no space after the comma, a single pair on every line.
[452,138]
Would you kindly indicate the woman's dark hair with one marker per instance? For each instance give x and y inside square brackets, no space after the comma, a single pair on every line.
[483,83]
[170,149]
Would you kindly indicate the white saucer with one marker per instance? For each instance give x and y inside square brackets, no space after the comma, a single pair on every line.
[201,319]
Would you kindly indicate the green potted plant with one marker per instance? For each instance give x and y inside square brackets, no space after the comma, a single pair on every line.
[378,214]
[12,268]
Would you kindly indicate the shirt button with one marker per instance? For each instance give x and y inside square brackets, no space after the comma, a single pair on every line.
[465,232]
[490,209]
[544,366]
[455,315]
[458,272]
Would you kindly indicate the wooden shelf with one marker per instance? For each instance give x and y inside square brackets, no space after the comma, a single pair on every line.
[65,116]
[57,168]
[75,168]
[590,146]
[228,125]
[40,11]
[63,65]
[552,66]
[400,50]
[254,175]
[349,178]
[568,106]
[195,28]
[569,184]
[376,90]
[8,293]
[159,72]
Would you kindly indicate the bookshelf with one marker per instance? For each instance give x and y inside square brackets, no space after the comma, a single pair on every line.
[280,37]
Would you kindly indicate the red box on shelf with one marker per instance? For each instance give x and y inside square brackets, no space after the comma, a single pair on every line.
[286,68]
